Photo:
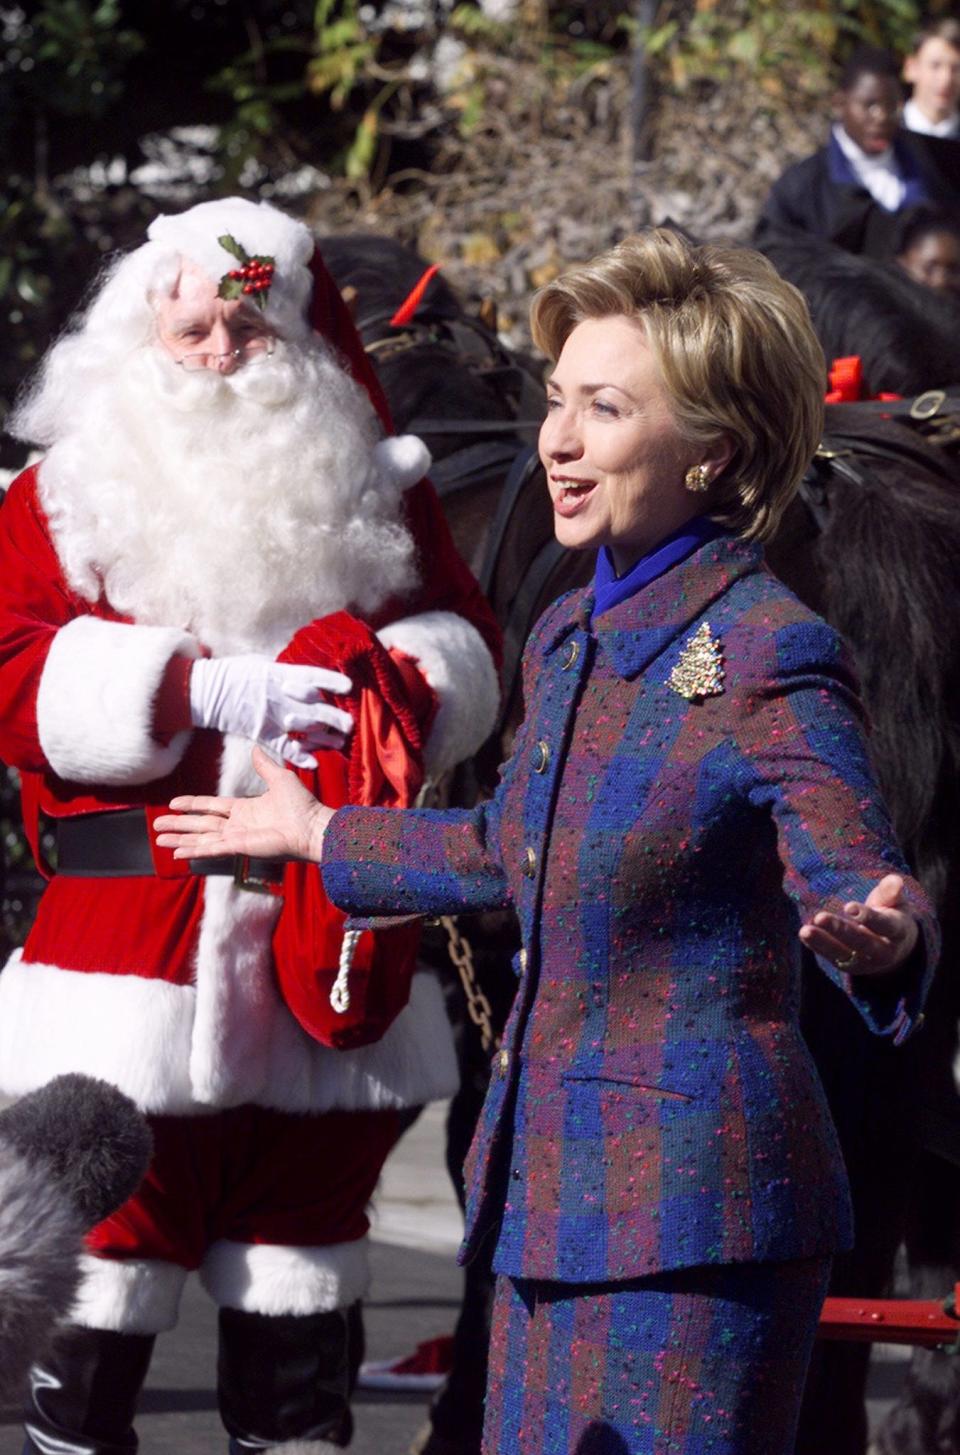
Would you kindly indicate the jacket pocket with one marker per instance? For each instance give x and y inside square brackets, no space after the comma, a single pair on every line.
[635,1083]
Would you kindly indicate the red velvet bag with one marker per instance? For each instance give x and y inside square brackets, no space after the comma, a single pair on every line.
[383,767]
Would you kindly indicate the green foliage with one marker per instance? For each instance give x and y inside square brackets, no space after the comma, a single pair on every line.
[69,56]
[258,88]
[773,47]
[357,68]
[362,152]
[35,241]
[475,24]
[20,884]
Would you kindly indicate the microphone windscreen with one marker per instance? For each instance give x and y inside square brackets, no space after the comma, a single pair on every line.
[41,1238]
[86,1135]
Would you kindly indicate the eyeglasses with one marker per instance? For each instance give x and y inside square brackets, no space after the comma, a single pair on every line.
[251,352]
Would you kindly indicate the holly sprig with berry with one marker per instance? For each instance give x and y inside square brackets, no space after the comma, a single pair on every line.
[252,279]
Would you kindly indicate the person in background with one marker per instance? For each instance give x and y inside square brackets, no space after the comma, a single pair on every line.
[689,803]
[932,69]
[217,548]
[930,251]
[853,190]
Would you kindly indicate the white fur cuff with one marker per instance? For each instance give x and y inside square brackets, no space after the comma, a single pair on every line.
[141,1035]
[125,1029]
[456,662]
[135,1296]
[96,697]
[264,1279]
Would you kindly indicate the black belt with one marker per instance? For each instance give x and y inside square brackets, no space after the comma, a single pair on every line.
[116,845]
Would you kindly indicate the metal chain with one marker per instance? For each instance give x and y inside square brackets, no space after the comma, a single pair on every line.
[478,1006]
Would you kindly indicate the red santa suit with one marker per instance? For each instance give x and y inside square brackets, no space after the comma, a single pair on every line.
[162,982]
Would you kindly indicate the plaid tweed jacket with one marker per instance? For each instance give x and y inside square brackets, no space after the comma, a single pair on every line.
[654,1105]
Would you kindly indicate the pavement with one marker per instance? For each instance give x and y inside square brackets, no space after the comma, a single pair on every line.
[414,1296]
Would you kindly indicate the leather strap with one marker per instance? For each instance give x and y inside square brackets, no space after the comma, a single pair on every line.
[117,846]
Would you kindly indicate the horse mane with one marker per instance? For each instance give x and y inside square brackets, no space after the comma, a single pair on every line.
[384,271]
[890,556]
[907,336]
[451,368]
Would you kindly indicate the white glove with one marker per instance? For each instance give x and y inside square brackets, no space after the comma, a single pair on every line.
[266,701]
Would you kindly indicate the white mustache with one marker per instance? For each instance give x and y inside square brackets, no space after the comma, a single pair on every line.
[268,381]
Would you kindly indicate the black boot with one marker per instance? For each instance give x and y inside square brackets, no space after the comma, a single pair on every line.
[83,1393]
[288,1377]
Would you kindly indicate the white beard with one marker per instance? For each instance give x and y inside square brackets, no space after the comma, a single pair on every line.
[238,507]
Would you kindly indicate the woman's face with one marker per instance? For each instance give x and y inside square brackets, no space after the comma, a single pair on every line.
[614,458]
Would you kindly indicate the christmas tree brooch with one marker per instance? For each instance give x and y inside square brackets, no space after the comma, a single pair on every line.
[252,279]
[699,672]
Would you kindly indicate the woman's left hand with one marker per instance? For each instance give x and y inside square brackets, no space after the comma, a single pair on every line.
[285,822]
[869,938]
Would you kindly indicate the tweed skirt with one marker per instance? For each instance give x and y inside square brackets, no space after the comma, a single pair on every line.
[701,1361]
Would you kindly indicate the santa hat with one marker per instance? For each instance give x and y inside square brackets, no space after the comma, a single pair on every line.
[301,293]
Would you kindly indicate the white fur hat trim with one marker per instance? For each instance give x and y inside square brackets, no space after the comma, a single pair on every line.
[262,230]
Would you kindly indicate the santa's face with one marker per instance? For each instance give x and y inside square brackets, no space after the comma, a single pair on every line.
[237,502]
[200,330]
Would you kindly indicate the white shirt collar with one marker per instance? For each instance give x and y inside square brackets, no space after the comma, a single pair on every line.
[914,120]
[876,172]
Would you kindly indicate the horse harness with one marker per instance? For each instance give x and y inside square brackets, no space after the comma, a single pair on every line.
[933,428]
[477,348]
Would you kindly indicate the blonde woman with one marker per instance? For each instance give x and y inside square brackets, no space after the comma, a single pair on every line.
[689,801]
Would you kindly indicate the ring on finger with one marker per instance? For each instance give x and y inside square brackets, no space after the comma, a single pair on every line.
[848,961]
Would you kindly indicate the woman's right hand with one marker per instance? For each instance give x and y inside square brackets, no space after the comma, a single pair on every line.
[285,822]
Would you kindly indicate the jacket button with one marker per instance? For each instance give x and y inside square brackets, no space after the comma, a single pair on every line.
[541,757]
[502,1063]
[570,654]
[522,960]
[529,862]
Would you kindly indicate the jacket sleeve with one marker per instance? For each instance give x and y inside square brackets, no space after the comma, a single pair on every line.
[386,862]
[801,742]
[76,691]
[381,863]
[451,634]
[783,209]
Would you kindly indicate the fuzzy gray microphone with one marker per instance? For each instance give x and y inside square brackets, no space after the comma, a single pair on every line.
[70,1154]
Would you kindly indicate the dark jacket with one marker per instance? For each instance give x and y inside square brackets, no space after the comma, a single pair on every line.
[654,1105]
[821,195]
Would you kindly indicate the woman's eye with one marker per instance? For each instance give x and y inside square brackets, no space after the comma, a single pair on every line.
[553,402]
[602,407]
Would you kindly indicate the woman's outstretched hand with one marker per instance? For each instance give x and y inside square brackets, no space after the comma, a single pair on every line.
[285,822]
[869,938]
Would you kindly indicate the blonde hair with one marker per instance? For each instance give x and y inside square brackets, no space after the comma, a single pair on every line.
[736,352]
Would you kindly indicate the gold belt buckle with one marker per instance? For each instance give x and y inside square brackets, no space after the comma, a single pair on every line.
[253,883]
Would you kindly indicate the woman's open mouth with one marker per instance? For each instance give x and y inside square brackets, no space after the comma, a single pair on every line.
[572,495]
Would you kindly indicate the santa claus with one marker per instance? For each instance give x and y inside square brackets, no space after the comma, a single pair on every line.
[216,494]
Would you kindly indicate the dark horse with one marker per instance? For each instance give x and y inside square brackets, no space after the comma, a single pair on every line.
[907,335]
[887,576]
[873,544]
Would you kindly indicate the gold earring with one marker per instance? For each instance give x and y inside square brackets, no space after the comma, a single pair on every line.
[697,478]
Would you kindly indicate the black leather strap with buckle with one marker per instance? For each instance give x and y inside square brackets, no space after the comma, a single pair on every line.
[116,845]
